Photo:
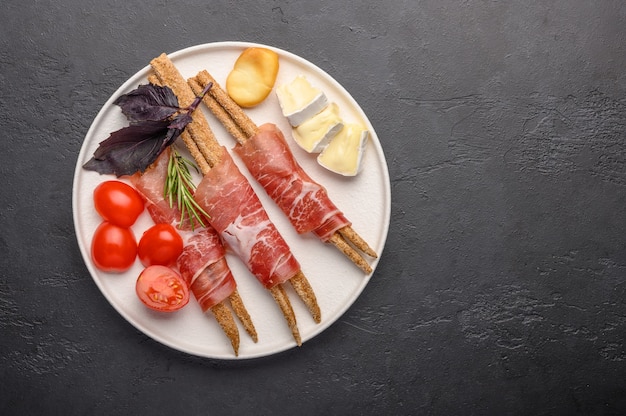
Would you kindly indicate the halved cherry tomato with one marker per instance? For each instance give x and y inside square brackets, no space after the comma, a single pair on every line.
[160,244]
[162,289]
[118,203]
[113,248]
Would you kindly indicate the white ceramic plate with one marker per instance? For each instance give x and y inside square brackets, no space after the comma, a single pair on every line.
[365,199]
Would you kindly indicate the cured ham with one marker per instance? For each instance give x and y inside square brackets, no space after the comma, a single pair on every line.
[305,202]
[203,266]
[202,263]
[245,226]
[150,184]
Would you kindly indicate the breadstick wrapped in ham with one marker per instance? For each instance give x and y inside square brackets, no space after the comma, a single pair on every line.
[203,266]
[305,202]
[202,262]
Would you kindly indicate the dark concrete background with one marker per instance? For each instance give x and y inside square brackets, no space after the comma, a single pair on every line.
[502,286]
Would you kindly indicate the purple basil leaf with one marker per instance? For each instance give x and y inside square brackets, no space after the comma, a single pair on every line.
[180,121]
[132,149]
[148,102]
[149,108]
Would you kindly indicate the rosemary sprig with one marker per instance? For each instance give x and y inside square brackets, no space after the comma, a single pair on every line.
[179,188]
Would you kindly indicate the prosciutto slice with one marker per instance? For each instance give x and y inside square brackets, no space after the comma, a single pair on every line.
[236,212]
[202,262]
[151,184]
[305,202]
[203,266]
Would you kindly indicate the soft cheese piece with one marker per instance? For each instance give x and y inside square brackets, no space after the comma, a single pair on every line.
[253,76]
[315,133]
[300,101]
[344,153]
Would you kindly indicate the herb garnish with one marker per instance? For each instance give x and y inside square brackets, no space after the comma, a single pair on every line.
[179,187]
[155,122]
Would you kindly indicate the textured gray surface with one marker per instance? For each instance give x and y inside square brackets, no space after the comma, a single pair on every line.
[502,286]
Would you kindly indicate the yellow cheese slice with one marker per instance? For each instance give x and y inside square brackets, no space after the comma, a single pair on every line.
[315,133]
[344,153]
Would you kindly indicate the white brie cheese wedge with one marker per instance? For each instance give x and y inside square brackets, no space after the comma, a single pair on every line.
[344,153]
[300,101]
[315,133]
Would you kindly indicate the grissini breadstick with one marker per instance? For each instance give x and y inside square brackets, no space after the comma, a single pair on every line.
[207,148]
[242,128]
[227,323]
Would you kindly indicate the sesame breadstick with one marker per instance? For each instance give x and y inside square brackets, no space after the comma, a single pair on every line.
[281,298]
[239,117]
[338,241]
[242,313]
[219,112]
[198,129]
[302,287]
[227,323]
[350,235]
[192,146]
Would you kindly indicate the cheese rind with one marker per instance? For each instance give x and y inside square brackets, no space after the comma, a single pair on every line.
[300,101]
[314,134]
[344,153]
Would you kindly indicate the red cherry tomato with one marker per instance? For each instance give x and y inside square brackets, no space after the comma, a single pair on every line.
[162,289]
[160,244]
[118,203]
[113,248]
